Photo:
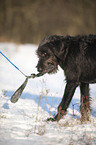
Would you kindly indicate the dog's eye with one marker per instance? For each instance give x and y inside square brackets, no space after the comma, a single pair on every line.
[44,54]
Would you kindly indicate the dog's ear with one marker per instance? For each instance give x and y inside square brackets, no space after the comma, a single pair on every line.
[59,49]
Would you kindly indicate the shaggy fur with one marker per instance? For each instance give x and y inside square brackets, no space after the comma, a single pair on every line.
[77,57]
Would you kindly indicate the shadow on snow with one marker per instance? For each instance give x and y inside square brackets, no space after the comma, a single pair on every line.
[45,101]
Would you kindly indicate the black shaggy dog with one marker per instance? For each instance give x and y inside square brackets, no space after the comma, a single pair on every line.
[77,57]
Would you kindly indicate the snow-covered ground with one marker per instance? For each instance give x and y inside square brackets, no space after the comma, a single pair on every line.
[24,123]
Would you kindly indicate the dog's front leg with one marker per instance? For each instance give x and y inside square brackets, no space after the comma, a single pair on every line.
[69,91]
[62,109]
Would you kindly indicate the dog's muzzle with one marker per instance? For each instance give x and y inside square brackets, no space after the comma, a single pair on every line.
[50,68]
[44,70]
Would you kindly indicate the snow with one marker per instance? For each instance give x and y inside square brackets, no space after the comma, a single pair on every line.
[24,123]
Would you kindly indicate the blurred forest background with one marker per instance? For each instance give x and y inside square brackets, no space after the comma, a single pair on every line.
[28,21]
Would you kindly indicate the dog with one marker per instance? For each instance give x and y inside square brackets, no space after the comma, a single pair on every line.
[77,57]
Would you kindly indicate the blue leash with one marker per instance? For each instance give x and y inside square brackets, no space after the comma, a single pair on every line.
[13,64]
[19,91]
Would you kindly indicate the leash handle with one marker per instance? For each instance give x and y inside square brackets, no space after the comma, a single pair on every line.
[12,63]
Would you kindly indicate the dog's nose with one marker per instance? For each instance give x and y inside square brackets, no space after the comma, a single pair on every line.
[40,69]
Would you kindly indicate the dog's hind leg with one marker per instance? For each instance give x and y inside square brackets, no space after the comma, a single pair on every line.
[85,102]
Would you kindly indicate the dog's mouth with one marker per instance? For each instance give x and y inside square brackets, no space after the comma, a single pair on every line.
[51,68]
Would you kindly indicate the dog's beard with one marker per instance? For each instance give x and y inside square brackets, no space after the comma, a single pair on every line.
[52,69]
[49,66]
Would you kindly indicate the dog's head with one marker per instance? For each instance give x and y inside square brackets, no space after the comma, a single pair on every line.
[47,60]
[50,52]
